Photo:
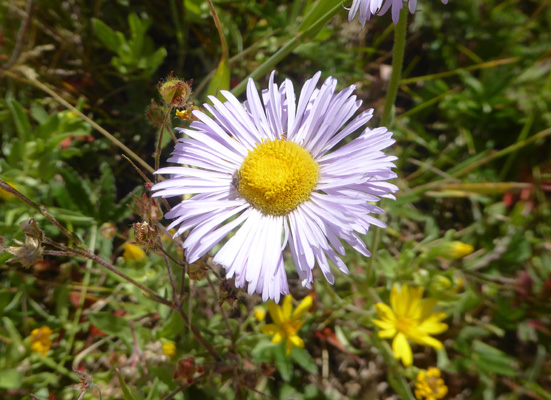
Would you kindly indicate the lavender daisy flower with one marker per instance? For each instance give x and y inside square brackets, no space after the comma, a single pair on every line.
[372,7]
[271,170]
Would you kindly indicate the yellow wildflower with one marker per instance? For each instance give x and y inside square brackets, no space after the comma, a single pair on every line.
[409,318]
[287,322]
[459,250]
[169,348]
[429,385]
[40,340]
[259,313]
[132,252]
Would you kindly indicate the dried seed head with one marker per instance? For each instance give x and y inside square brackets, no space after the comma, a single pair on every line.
[146,235]
[197,270]
[31,251]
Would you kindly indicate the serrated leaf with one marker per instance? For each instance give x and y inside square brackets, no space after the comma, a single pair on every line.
[79,191]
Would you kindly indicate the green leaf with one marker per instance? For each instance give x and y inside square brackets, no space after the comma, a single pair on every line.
[127,393]
[220,80]
[106,35]
[111,324]
[107,193]
[22,123]
[10,379]
[491,360]
[79,191]
[303,358]
[282,362]
[318,12]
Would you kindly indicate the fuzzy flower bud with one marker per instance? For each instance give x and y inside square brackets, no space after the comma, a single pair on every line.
[175,92]
[40,340]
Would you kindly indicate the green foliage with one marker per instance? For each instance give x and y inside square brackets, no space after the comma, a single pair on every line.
[473,166]
[136,55]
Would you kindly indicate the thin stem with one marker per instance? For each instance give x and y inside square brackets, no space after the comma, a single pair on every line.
[397,64]
[40,208]
[20,40]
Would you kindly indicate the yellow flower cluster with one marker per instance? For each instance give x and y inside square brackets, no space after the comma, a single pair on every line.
[429,385]
[286,322]
[40,340]
[409,318]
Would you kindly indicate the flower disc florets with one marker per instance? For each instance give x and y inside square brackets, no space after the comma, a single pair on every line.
[277,176]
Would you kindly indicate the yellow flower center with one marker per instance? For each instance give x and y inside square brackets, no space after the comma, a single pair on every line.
[277,176]
[405,325]
[290,328]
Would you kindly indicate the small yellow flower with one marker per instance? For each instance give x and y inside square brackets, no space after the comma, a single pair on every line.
[287,322]
[132,252]
[409,318]
[259,313]
[429,385]
[40,340]
[459,250]
[169,348]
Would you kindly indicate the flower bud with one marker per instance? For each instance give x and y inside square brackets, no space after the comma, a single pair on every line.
[156,114]
[175,92]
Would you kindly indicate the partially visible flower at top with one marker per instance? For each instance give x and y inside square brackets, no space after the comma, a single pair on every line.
[169,348]
[132,252]
[429,385]
[286,322]
[259,313]
[367,8]
[273,170]
[40,340]
[409,318]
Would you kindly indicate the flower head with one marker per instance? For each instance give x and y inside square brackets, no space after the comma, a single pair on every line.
[410,318]
[169,348]
[367,8]
[287,322]
[40,340]
[429,385]
[271,169]
[132,252]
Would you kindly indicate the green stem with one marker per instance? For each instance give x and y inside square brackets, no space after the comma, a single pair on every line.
[397,64]
[388,112]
